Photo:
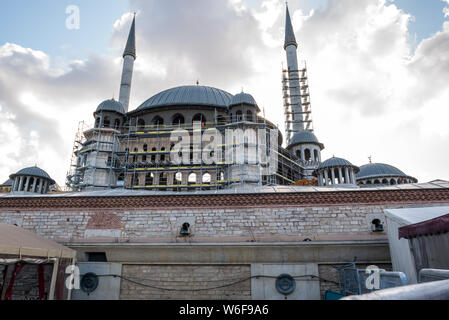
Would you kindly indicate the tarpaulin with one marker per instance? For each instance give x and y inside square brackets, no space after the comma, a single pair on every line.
[429,227]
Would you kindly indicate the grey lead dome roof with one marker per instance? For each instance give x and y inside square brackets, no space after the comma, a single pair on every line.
[189,95]
[242,98]
[305,136]
[377,170]
[32,171]
[337,162]
[111,105]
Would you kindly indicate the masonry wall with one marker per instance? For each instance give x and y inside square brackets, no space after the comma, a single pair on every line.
[181,281]
[253,224]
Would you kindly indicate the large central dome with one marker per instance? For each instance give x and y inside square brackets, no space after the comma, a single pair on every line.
[189,95]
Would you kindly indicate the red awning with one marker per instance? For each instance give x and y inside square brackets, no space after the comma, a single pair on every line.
[433,226]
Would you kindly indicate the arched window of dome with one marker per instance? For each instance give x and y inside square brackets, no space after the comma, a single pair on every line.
[199,118]
[238,115]
[158,121]
[149,179]
[249,116]
[307,154]
[178,178]
[97,122]
[392,182]
[178,119]
[298,154]
[315,155]
[206,178]
[117,124]
[106,122]
[368,182]
[384,181]
[141,124]
[192,178]
[376,181]
[153,156]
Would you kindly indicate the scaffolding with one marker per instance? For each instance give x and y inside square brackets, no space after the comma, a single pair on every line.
[302,97]
[132,166]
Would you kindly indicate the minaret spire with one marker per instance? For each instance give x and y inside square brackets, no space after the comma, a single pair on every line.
[129,56]
[290,38]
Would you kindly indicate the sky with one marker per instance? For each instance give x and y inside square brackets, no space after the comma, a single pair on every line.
[378,71]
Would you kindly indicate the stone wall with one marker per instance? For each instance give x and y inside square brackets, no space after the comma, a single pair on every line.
[181,279]
[247,224]
[26,285]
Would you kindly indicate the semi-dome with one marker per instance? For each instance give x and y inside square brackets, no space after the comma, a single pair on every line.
[8,183]
[189,95]
[379,170]
[337,162]
[34,172]
[305,136]
[243,98]
[111,105]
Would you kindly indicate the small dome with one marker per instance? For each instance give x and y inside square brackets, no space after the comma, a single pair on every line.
[189,95]
[305,136]
[243,98]
[34,172]
[379,170]
[111,105]
[8,183]
[337,162]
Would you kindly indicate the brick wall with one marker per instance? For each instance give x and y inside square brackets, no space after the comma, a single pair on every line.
[26,285]
[210,223]
[186,277]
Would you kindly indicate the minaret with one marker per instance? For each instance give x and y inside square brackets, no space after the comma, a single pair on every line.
[129,56]
[294,109]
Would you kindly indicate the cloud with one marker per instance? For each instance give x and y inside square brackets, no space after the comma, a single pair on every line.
[371,95]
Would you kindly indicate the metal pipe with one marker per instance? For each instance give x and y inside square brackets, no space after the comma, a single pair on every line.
[436,290]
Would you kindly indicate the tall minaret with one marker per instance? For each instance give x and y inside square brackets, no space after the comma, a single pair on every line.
[294,110]
[129,56]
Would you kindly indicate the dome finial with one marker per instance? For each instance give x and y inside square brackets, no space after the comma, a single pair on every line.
[370,158]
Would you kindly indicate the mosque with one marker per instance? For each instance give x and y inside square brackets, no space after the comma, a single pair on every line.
[189,230]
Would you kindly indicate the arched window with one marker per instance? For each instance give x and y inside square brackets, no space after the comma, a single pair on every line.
[376,181]
[162,155]
[149,179]
[392,182]
[238,115]
[30,185]
[206,178]
[141,124]
[298,154]
[163,179]
[178,178]
[158,121]
[384,181]
[368,182]
[153,156]
[220,176]
[307,154]
[192,178]
[178,119]
[117,123]
[106,122]
[135,156]
[249,116]
[199,118]
[315,154]
[97,122]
